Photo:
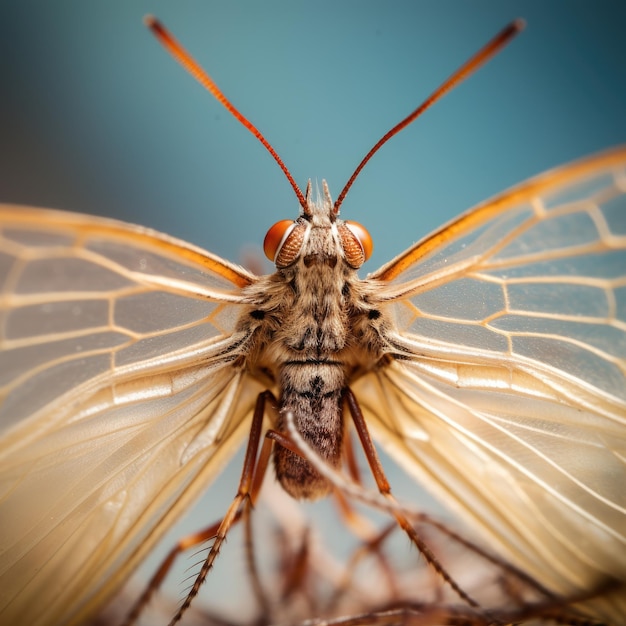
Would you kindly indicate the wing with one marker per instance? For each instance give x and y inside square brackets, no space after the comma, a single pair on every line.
[119,401]
[508,393]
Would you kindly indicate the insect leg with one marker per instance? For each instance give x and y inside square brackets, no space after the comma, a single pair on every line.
[383,486]
[259,474]
[359,525]
[374,547]
[157,579]
[242,499]
[296,567]
[249,485]
[371,537]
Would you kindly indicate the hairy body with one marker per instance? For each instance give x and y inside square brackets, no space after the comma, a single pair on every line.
[315,327]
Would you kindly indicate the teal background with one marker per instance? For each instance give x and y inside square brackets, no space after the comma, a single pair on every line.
[95,117]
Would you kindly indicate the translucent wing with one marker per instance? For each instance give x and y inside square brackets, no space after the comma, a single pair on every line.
[119,401]
[508,396]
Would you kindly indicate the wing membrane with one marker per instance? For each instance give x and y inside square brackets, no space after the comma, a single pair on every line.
[509,393]
[539,480]
[119,400]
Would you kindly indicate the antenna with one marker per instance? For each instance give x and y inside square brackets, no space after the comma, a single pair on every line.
[194,68]
[468,68]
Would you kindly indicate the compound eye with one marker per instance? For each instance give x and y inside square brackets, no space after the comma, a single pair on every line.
[362,236]
[276,237]
[284,241]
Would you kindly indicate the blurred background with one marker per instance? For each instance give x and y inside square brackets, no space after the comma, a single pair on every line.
[96,117]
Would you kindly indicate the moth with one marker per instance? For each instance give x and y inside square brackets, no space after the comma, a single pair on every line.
[489,358]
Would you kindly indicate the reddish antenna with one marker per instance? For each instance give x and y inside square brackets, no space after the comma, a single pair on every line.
[194,68]
[468,68]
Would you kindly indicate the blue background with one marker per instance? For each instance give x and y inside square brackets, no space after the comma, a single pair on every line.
[95,117]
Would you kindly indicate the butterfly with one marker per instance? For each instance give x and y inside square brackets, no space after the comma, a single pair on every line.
[489,358]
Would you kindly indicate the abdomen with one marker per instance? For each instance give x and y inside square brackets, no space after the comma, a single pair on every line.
[313,392]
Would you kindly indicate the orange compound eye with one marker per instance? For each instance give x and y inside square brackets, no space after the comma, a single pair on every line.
[363,237]
[276,236]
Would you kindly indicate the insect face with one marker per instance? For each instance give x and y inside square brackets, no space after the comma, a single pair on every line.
[333,240]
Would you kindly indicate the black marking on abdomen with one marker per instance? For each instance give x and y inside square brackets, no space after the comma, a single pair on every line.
[316,403]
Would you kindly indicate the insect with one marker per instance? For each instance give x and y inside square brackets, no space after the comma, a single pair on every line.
[489,357]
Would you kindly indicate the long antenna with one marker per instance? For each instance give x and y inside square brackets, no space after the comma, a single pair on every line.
[479,59]
[194,68]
